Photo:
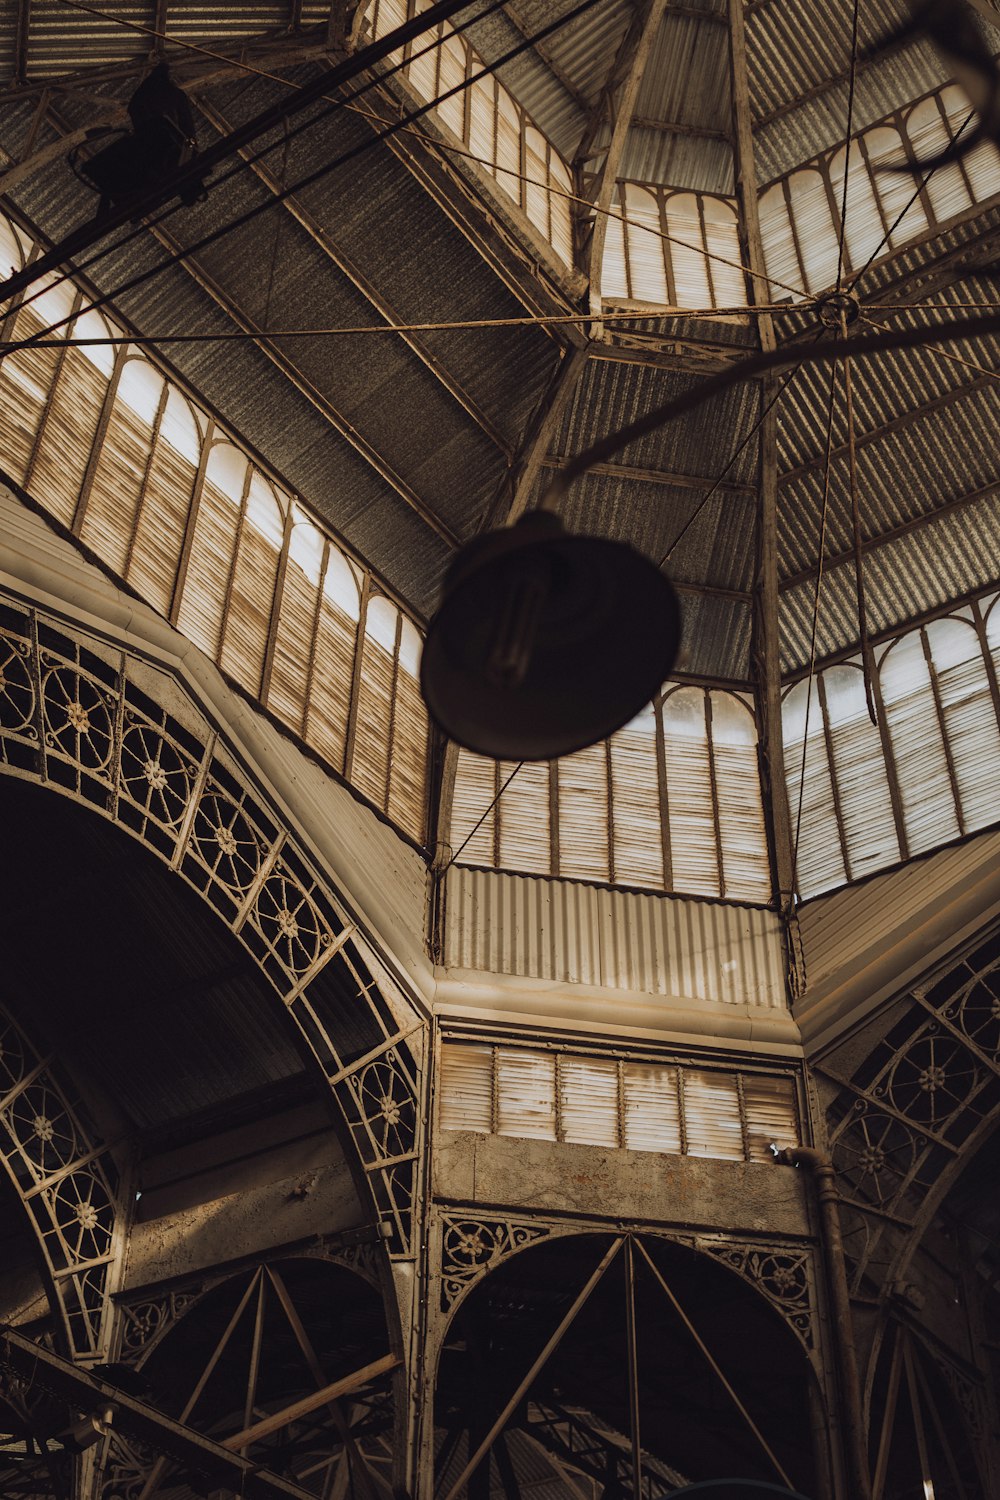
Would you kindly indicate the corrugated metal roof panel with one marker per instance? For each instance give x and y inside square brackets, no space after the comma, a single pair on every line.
[686,81]
[674,159]
[904,578]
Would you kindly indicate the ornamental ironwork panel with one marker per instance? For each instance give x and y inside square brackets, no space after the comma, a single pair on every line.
[72,717]
[69,1184]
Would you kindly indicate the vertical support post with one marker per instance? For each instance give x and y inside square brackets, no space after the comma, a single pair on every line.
[633,1370]
[767,641]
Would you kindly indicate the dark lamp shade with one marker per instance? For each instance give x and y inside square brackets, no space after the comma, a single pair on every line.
[545,643]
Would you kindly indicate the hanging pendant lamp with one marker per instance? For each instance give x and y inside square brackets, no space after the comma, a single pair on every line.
[544,642]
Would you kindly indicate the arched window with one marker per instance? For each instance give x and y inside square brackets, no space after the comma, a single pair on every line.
[635,799]
[215,527]
[63,451]
[251,590]
[820,861]
[884,148]
[670,802]
[861,791]
[335,659]
[965,705]
[809,203]
[388,759]
[863,228]
[26,376]
[919,751]
[295,622]
[166,500]
[746,873]
[118,477]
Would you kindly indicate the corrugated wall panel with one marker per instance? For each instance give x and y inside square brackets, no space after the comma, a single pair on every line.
[583,934]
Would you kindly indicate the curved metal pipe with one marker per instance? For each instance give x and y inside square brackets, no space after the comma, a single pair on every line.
[824,1176]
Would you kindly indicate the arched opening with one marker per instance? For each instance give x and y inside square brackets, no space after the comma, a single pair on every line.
[605,1365]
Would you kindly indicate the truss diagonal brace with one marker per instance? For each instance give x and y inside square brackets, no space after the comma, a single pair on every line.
[161,1432]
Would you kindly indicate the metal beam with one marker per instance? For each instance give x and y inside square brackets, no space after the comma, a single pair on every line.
[624,108]
[766,650]
[656,476]
[321,237]
[173,1439]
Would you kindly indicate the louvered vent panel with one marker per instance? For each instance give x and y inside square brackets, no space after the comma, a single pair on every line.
[475,788]
[780,256]
[451,60]
[745,862]
[712,1125]
[536,198]
[526,1094]
[859,764]
[25,379]
[465,1094]
[119,476]
[409,756]
[689,787]
[820,861]
[583,815]
[68,435]
[970,718]
[333,670]
[771,1114]
[524,819]
[295,625]
[370,761]
[651,1107]
[691,284]
[588,1100]
[638,848]
[166,502]
[481,96]
[251,596]
[647,271]
[206,585]
[917,745]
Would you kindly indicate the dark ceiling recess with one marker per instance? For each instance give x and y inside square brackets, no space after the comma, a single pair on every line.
[579,1401]
[114,964]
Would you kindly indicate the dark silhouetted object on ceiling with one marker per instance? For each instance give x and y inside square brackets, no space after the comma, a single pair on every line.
[162,139]
[545,643]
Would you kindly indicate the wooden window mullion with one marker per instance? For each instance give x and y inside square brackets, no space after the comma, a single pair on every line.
[744,1122]
[107,409]
[313,638]
[709,274]
[943,725]
[359,652]
[227,600]
[554,849]
[154,438]
[610,819]
[391,726]
[832,764]
[713,784]
[892,776]
[667,249]
[279,589]
[664,796]
[197,489]
[61,356]
[984,646]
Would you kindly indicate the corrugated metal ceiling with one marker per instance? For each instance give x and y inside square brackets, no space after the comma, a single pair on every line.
[418,257]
